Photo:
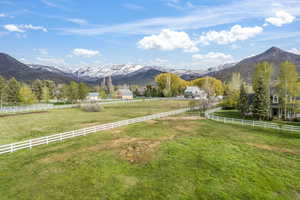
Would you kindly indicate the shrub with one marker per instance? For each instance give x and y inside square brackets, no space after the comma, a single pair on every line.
[92,107]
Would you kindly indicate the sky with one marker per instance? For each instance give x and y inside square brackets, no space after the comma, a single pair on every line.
[182,34]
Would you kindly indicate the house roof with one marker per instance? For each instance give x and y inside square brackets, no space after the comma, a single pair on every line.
[192,89]
[125,92]
[93,94]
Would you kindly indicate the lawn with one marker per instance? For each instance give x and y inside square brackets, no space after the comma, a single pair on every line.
[179,157]
[236,114]
[25,126]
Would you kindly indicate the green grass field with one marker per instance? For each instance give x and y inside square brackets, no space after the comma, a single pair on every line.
[179,157]
[26,126]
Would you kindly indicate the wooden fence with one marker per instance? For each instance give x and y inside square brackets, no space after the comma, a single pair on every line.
[210,115]
[28,144]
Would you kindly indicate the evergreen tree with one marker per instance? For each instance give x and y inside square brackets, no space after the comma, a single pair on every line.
[262,79]
[243,100]
[26,95]
[261,100]
[83,91]
[12,91]
[37,88]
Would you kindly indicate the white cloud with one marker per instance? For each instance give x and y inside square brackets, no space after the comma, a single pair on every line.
[13,28]
[236,33]
[85,52]
[212,59]
[198,17]
[295,51]
[169,40]
[77,21]
[282,17]
[2,15]
[23,28]
[51,61]
[133,6]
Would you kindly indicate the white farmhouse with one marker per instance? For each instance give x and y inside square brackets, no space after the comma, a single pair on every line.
[93,96]
[124,94]
[195,92]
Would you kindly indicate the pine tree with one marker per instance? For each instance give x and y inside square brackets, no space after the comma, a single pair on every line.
[26,95]
[261,101]
[243,101]
[12,91]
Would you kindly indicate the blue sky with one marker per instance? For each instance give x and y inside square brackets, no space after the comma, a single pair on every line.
[177,33]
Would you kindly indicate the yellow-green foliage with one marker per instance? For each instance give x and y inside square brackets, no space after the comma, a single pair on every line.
[212,85]
[170,84]
[26,95]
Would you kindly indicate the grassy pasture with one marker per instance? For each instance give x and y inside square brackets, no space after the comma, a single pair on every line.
[25,126]
[180,157]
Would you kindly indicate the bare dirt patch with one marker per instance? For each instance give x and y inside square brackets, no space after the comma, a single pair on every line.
[273,148]
[151,122]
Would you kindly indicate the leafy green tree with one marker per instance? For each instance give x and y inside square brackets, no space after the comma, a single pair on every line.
[12,91]
[102,93]
[211,85]
[243,101]
[51,86]
[83,91]
[288,88]
[26,95]
[170,84]
[45,94]
[73,92]
[37,88]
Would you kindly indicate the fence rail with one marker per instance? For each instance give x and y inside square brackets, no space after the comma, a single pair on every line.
[29,144]
[41,107]
[210,115]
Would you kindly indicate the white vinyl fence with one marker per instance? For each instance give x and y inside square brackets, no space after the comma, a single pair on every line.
[41,107]
[210,115]
[28,144]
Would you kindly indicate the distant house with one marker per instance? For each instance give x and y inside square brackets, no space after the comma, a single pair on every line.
[124,94]
[195,92]
[93,96]
[275,110]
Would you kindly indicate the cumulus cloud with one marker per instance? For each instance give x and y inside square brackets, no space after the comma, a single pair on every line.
[212,59]
[85,53]
[23,28]
[281,18]
[295,51]
[236,33]
[169,40]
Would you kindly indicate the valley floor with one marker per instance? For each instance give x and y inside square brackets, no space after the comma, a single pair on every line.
[179,157]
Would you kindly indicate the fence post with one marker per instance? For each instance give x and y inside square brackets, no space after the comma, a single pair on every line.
[30,144]
[47,139]
[11,147]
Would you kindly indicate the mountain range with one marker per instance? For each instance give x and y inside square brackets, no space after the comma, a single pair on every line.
[138,74]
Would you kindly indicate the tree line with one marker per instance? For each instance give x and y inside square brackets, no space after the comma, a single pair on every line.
[266,93]
[13,92]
